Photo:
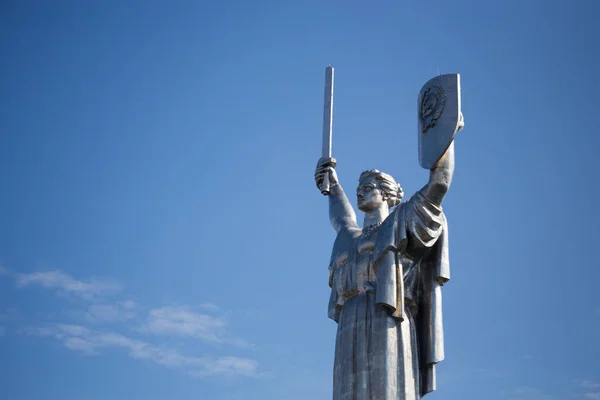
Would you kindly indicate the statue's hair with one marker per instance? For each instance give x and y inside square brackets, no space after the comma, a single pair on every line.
[391,189]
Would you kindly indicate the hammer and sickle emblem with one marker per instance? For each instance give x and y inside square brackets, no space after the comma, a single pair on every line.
[432,105]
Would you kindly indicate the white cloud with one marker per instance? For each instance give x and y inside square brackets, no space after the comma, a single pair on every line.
[72,330]
[109,313]
[128,304]
[182,321]
[83,345]
[90,289]
[592,395]
[88,342]
[200,322]
[587,384]
[228,366]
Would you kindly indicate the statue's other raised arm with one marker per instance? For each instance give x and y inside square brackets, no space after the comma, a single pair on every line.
[440,177]
[341,213]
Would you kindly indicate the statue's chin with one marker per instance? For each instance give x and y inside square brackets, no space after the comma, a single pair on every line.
[365,208]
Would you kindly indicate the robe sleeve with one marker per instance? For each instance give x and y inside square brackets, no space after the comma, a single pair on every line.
[428,244]
[426,233]
[415,236]
[336,301]
[408,233]
[339,254]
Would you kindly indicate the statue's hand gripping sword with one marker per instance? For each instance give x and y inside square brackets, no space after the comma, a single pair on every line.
[327,127]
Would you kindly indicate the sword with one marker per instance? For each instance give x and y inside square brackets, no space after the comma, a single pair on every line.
[327,126]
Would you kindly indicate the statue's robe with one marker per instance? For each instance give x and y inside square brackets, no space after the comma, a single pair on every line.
[386,297]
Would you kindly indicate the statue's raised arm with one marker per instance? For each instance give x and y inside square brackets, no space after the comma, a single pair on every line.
[341,213]
[440,177]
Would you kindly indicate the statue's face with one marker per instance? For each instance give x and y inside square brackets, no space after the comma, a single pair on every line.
[368,195]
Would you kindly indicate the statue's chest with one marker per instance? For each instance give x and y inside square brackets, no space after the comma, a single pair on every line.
[362,257]
[365,244]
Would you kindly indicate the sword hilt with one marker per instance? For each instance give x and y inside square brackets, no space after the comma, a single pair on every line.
[326,184]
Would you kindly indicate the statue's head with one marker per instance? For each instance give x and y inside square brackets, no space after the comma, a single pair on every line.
[375,188]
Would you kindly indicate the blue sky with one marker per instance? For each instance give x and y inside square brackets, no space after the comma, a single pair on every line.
[161,236]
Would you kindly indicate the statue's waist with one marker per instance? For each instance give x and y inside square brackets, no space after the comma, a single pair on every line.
[370,288]
[367,287]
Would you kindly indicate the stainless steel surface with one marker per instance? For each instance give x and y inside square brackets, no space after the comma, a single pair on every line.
[439,116]
[327,124]
[386,278]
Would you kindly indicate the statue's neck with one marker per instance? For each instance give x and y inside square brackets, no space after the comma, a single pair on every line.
[377,215]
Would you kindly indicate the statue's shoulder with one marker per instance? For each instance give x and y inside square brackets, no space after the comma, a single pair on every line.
[347,235]
[343,243]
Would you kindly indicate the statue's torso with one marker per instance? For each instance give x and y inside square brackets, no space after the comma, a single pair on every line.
[354,266]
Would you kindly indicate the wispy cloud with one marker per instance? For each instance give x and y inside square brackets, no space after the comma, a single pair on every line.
[228,366]
[89,342]
[87,289]
[104,305]
[110,313]
[589,388]
[587,384]
[183,321]
[2,330]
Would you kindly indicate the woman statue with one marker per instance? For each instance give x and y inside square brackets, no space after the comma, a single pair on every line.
[386,283]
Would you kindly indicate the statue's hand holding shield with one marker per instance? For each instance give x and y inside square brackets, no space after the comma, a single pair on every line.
[439,116]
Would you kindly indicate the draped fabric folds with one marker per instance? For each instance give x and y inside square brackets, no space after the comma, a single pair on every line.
[386,297]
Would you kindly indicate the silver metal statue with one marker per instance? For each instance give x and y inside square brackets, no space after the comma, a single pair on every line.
[386,277]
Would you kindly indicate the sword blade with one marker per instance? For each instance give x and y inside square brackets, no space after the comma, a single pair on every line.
[328,113]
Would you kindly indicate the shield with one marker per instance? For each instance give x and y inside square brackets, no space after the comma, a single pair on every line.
[439,116]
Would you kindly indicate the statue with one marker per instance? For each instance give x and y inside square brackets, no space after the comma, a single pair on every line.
[386,277]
